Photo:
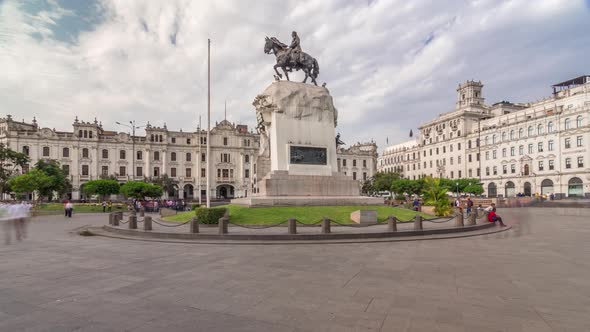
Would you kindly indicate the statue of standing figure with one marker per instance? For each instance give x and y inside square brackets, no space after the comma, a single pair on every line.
[291,57]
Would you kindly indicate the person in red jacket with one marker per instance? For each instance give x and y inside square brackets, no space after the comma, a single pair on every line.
[493,217]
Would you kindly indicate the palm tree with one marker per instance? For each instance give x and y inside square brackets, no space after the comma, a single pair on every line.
[436,194]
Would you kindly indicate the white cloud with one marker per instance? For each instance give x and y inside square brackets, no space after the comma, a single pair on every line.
[390,65]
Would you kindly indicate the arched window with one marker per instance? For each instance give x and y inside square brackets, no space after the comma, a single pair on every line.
[520,133]
[173,156]
[546,186]
[567,124]
[579,121]
[494,139]
[85,133]
[66,152]
[156,155]
[122,154]
[503,136]
[105,154]
[550,127]
[246,158]
[151,137]
[486,140]
[575,187]
[530,131]
[526,169]
[90,134]
[512,134]
[160,138]
[539,129]
[492,190]
[188,156]
[510,190]
[85,153]
[80,133]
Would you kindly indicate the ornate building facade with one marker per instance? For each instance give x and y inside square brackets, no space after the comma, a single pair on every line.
[90,152]
[513,148]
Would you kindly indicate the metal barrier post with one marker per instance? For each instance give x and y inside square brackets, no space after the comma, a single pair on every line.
[459,220]
[418,223]
[142,212]
[111,216]
[147,223]
[132,222]
[326,225]
[292,226]
[391,224]
[223,221]
[195,225]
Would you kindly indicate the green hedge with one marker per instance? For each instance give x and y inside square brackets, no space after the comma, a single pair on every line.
[210,216]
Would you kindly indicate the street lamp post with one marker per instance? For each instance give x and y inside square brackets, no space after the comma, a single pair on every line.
[133,127]
[457,183]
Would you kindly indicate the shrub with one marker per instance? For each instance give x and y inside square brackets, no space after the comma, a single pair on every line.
[400,197]
[210,216]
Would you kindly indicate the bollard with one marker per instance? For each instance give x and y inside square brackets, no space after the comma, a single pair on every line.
[119,215]
[195,225]
[391,224]
[223,221]
[292,226]
[326,225]
[116,219]
[132,222]
[459,220]
[471,219]
[133,212]
[142,213]
[147,223]
[111,216]
[418,223]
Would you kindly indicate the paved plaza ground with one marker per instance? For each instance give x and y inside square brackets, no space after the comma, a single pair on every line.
[534,277]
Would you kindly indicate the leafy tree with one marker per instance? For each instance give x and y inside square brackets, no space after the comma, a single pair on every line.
[57,182]
[383,181]
[33,181]
[408,186]
[9,161]
[436,194]
[167,183]
[475,189]
[141,190]
[101,187]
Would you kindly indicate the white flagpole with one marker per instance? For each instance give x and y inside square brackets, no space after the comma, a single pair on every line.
[208,120]
[199,161]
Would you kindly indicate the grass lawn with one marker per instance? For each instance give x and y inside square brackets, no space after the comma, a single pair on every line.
[56,208]
[306,214]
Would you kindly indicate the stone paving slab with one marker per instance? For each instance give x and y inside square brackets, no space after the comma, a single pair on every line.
[531,278]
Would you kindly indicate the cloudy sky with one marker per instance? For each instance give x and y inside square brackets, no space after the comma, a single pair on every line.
[389,64]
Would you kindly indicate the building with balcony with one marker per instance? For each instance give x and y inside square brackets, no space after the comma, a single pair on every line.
[90,152]
[528,148]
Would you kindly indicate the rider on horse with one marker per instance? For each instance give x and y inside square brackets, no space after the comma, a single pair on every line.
[294,50]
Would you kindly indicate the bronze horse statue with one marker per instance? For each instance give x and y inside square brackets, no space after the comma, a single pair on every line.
[305,62]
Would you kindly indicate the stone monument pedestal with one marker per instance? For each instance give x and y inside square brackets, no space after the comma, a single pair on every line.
[297,163]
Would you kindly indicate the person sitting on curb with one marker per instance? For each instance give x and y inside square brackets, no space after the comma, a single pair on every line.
[493,217]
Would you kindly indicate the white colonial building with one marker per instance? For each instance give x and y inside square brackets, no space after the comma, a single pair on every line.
[90,152]
[528,148]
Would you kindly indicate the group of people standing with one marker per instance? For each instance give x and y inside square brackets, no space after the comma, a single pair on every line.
[15,215]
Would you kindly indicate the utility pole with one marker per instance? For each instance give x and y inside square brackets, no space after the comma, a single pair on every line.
[208,120]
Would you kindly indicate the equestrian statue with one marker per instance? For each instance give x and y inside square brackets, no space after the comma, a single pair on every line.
[291,57]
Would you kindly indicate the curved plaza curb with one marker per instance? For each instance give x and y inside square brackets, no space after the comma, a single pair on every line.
[252,239]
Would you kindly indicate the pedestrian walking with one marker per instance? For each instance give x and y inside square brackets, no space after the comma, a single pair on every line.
[104,206]
[110,206]
[69,209]
[469,205]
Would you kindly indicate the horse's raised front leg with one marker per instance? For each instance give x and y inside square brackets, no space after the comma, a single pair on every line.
[286,73]
[277,71]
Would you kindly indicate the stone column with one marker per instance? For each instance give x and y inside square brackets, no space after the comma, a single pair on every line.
[147,223]
[132,221]
[471,219]
[391,224]
[418,223]
[111,217]
[223,221]
[292,226]
[194,225]
[326,225]
[459,219]
[116,220]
